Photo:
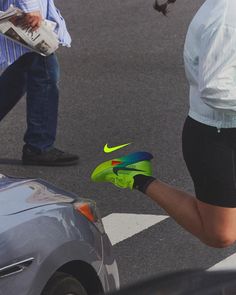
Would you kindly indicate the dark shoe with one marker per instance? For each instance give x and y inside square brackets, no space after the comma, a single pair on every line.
[52,157]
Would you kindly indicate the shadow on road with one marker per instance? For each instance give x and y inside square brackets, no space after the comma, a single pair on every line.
[6,161]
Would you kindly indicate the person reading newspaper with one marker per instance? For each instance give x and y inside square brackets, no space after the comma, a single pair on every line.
[41,39]
[27,72]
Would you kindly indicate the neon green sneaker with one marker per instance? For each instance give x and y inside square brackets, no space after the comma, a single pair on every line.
[121,171]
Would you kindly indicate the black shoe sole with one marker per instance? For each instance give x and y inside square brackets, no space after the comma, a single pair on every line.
[49,164]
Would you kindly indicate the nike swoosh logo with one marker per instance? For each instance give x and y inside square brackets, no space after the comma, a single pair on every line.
[116,169]
[108,149]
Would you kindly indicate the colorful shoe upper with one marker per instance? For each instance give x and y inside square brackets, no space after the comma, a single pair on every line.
[121,171]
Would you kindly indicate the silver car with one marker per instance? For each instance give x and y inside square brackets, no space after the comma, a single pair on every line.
[51,242]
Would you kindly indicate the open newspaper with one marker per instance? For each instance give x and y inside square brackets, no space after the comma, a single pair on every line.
[44,40]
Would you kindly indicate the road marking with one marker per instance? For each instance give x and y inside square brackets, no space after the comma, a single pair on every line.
[226,264]
[121,226]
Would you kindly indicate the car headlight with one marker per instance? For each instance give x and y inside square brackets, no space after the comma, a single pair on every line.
[90,211]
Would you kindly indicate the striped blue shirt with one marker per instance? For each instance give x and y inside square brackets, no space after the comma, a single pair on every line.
[11,51]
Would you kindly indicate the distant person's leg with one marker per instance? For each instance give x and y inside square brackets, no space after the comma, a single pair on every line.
[42,102]
[12,86]
[42,112]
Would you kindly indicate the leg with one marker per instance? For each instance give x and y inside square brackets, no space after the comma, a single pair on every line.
[12,86]
[42,111]
[42,102]
[219,224]
[210,158]
[213,225]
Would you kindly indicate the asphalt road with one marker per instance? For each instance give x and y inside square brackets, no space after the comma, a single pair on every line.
[122,81]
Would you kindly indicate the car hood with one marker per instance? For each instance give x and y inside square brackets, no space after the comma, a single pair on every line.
[18,194]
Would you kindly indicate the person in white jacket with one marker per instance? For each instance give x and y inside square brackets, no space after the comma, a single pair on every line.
[209,133]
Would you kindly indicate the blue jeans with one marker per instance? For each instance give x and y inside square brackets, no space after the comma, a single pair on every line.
[37,76]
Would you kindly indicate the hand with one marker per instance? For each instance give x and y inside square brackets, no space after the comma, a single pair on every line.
[31,20]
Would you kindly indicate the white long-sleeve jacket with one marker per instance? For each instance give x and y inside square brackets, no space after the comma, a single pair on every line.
[210,64]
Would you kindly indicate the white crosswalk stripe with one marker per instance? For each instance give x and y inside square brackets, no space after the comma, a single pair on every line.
[227,264]
[121,226]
